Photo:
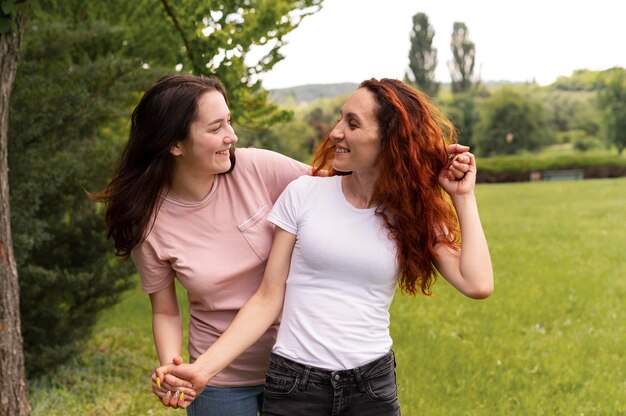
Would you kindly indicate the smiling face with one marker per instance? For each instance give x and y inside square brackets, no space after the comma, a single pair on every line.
[210,137]
[356,135]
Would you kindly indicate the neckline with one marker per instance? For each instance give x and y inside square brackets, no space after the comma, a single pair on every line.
[193,204]
[342,197]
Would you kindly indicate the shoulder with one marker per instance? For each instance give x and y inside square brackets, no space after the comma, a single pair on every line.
[312,183]
[251,155]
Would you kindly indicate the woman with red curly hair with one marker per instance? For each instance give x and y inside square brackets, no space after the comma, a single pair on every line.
[385,216]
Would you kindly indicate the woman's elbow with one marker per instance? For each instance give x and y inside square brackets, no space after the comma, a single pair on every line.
[480,291]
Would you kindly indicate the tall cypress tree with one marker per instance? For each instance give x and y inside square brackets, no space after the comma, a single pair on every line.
[463,58]
[422,56]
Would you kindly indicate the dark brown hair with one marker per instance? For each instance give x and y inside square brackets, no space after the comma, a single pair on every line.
[416,210]
[162,118]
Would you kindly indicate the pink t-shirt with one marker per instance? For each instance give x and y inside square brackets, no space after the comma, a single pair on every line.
[218,249]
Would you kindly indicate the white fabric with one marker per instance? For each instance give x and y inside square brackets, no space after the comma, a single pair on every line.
[342,278]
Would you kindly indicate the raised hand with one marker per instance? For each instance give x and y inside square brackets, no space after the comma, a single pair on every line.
[456,152]
[459,176]
[172,391]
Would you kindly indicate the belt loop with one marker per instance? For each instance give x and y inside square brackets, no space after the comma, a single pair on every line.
[305,378]
[359,381]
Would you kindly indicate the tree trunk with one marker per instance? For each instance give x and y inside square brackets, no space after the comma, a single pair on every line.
[13,393]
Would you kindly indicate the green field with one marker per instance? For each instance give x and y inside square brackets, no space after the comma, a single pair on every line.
[550,341]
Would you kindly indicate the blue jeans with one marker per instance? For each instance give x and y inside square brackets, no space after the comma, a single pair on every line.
[227,401]
[296,389]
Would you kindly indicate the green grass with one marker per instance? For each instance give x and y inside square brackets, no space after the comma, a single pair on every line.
[550,341]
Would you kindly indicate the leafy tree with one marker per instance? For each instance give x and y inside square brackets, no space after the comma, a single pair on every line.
[422,56]
[83,69]
[580,80]
[215,39]
[612,101]
[511,122]
[463,58]
[70,103]
[463,112]
[570,111]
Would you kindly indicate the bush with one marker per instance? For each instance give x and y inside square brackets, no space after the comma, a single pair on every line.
[518,168]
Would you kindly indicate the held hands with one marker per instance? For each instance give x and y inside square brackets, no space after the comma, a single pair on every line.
[173,391]
[458,177]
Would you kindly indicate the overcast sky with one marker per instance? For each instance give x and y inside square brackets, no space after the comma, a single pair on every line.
[351,40]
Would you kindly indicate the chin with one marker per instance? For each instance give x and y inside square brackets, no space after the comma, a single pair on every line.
[340,168]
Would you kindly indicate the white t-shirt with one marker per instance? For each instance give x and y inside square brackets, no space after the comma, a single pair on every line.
[342,278]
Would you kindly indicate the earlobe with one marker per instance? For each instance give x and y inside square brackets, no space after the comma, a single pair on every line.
[177,149]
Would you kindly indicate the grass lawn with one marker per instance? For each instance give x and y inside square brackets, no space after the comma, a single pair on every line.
[550,341]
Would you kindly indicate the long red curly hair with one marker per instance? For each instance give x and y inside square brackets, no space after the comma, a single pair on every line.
[416,210]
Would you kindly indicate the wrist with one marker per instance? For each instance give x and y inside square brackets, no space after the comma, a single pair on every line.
[205,367]
[465,198]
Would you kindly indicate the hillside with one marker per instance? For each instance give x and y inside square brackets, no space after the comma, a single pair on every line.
[310,92]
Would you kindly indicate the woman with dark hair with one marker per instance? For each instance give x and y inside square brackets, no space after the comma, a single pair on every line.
[388,215]
[181,208]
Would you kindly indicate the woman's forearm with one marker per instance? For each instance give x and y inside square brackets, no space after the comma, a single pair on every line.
[167,331]
[249,325]
[475,261]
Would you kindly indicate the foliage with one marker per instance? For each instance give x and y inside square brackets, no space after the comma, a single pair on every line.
[70,83]
[612,101]
[463,58]
[216,40]
[549,161]
[422,56]
[299,136]
[462,109]
[8,12]
[580,80]
[524,351]
[511,122]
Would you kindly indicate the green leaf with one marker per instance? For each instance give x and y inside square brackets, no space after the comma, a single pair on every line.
[5,25]
[8,7]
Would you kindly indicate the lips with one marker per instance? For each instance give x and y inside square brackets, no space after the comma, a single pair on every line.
[222,152]
[341,150]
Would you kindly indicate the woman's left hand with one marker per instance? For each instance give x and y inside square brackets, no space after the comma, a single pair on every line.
[170,390]
[459,175]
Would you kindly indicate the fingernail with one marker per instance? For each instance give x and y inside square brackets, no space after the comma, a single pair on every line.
[168,395]
[176,395]
[158,381]
[182,397]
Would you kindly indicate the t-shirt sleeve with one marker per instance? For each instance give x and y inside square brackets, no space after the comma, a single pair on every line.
[278,170]
[284,214]
[155,274]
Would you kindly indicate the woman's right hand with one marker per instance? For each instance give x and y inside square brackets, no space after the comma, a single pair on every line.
[172,391]
[190,375]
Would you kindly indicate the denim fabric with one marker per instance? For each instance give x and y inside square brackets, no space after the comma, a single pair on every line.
[227,401]
[293,389]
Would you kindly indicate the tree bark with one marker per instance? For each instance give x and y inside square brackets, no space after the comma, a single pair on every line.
[13,392]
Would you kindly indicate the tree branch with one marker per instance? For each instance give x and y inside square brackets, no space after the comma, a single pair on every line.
[170,13]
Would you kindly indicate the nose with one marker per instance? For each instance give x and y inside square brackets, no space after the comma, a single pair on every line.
[336,133]
[231,137]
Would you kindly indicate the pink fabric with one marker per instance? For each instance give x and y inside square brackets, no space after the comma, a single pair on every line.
[218,248]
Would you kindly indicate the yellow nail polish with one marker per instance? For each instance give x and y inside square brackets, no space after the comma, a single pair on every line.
[158,381]
[182,397]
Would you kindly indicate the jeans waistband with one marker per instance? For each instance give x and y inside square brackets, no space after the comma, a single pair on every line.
[309,373]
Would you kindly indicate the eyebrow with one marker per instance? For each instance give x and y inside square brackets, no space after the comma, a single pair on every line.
[351,115]
[217,120]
